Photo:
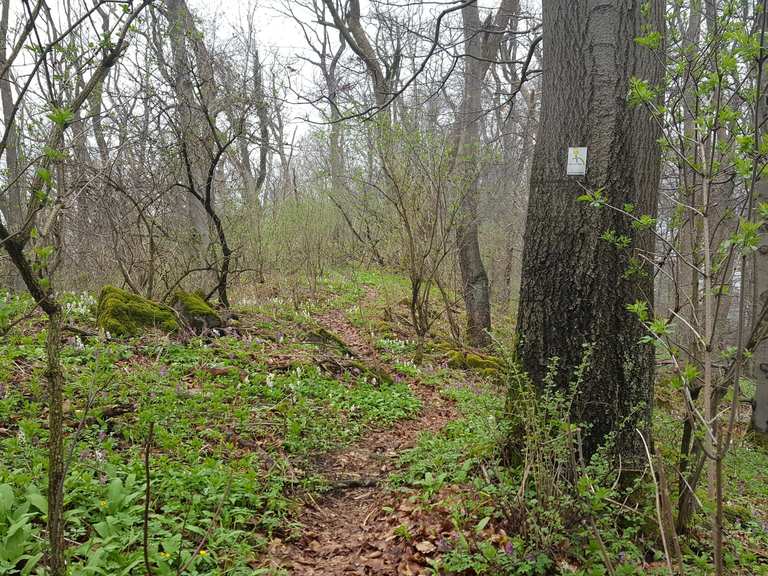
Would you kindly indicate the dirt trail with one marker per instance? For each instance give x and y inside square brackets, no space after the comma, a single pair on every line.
[347,531]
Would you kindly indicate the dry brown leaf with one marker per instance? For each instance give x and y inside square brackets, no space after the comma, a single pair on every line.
[425,547]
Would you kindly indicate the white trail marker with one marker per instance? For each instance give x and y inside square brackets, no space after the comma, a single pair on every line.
[577,162]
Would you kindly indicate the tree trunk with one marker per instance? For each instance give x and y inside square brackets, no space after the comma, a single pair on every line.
[474,278]
[687,296]
[11,201]
[722,212]
[575,287]
[55,445]
[760,355]
[481,50]
[191,60]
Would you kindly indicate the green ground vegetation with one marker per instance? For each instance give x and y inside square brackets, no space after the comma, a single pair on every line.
[240,421]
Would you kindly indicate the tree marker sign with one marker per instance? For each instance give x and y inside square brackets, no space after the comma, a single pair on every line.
[577,162]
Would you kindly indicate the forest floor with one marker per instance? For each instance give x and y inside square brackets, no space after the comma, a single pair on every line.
[304,440]
[349,530]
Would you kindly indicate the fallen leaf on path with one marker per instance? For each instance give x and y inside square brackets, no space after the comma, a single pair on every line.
[425,547]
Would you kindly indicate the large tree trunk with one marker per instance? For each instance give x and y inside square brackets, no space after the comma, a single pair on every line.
[575,287]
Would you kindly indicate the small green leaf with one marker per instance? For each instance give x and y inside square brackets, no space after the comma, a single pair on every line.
[45,175]
[53,154]
[639,309]
[651,40]
[61,116]
[482,524]
[37,500]
[6,499]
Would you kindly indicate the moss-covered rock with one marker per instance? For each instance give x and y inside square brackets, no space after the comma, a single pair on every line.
[478,362]
[485,365]
[456,360]
[195,312]
[444,346]
[122,313]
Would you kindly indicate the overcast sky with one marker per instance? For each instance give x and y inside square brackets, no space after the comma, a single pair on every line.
[274,30]
[280,34]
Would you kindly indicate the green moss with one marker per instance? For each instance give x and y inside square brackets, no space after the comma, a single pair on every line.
[195,311]
[124,314]
[444,346]
[194,304]
[456,359]
[478,362]
[485,365]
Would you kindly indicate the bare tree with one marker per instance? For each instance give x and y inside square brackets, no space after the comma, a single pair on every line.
[481,46]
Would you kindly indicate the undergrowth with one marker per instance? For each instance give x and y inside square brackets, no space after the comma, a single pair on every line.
[240,419]
[235,436]
[525,509]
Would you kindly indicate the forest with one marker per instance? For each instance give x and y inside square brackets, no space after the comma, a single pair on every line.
[383,287]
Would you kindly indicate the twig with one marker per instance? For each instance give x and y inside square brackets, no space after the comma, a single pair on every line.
[18,320]
[666,508]
[78,331]
[658,503]
[603,549]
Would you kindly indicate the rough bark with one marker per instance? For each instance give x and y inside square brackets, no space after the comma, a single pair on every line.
[574,285]
[760,355]
[55,444]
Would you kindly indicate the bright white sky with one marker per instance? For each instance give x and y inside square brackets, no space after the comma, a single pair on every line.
[275,31]
[279,34]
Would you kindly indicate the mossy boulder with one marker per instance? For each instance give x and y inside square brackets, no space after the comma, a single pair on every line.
[444,346]
[195,312]
[456,359]
[480,362]
[122,313]
[484,364]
